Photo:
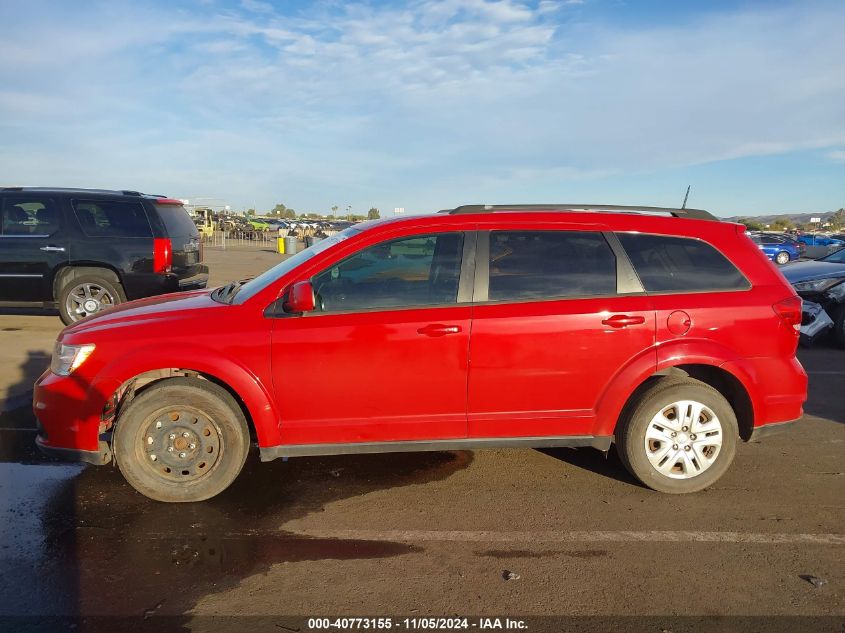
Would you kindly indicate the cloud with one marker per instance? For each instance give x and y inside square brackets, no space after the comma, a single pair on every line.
[422,99]
[837,156]
[256,6]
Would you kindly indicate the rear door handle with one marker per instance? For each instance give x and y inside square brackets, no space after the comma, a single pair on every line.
[53,249]
[438,329]
[623,320]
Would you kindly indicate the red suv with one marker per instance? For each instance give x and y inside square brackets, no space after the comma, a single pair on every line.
[663,331]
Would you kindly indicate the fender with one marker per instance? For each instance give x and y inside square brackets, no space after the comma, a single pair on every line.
[661,357]
[702,351]
[239,377]
[619,388]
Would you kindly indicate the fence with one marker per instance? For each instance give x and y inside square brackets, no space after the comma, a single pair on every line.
[260,239]
[240,239]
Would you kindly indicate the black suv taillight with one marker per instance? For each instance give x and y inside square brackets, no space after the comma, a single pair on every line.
[162,255]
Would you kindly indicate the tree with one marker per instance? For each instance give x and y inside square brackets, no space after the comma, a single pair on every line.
[334,210]
[782,223]
[751,225]
[250,212]
[278,210]
[837,220]
[373,214]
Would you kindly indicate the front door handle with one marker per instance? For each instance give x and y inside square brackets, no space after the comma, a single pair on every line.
[623,320]
[438,329]
[53,249]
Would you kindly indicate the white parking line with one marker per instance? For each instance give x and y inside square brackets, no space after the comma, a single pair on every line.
[470,536]
[832,372]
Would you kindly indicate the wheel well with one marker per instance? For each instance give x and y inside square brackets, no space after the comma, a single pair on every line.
[722,381]
[140,383]
[71,271]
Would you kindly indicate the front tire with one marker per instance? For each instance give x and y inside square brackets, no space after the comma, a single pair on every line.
[181,440]
[679,436]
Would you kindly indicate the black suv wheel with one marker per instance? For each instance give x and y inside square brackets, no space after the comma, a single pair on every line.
[89,293]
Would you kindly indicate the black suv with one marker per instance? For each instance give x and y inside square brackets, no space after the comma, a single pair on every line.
[83,250]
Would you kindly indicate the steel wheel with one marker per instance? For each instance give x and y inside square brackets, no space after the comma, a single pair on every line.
[782,258]
[683,439]
[181,444]
[86,299]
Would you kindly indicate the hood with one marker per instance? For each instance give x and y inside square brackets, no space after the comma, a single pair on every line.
[804,271]
[146,311]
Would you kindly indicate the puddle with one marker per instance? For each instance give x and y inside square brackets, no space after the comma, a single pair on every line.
[81,536]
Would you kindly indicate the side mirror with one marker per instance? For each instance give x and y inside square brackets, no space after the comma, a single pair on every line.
[300,298]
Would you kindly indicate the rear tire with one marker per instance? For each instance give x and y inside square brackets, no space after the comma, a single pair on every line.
[679,436]
[782,258]
[88,294]
[181,440]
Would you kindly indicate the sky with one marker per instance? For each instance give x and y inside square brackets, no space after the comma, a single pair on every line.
[429,104]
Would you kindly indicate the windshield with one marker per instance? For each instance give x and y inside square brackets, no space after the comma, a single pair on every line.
[835,258]
[254,286]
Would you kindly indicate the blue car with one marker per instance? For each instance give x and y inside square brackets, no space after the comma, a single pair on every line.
[778,248]
[819,240]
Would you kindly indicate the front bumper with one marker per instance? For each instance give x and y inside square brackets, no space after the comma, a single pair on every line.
[68,411]
[98,458]
[760,432]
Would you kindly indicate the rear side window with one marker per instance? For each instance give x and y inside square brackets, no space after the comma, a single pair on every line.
[679,264]
[526,265]
[26,216]
[108,218]
[177,221]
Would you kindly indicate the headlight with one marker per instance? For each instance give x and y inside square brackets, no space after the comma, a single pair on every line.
[67,358]
[816,285]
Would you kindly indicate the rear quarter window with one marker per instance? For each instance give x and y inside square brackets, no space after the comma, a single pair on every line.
[112,218]
[680,264]
[176,220]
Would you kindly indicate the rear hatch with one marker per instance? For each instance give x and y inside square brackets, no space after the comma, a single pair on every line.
[184,238]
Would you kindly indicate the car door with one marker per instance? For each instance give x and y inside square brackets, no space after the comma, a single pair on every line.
[33,245]
[557,316]
[384,356]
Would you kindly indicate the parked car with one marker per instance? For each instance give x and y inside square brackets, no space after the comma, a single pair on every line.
[84,250]
[257,224]
[816,239]
[823,281]
[672,337]
[779,248]
[815,323]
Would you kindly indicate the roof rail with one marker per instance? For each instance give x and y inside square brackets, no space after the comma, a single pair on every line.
[695,214]
[11,188]
[128,192]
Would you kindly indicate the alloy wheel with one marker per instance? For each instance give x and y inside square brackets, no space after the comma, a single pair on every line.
[86,299]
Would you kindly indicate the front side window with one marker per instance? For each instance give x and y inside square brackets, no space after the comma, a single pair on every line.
[680,264]
[107,218]
[532,265]
[26,216]
[413,271]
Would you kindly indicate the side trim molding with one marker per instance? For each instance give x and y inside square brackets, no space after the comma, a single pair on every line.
[269,453]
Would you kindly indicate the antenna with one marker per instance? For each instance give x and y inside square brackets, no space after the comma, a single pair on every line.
[684,205]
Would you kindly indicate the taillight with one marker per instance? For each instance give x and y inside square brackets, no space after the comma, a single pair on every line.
[790,311]
[162,255]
